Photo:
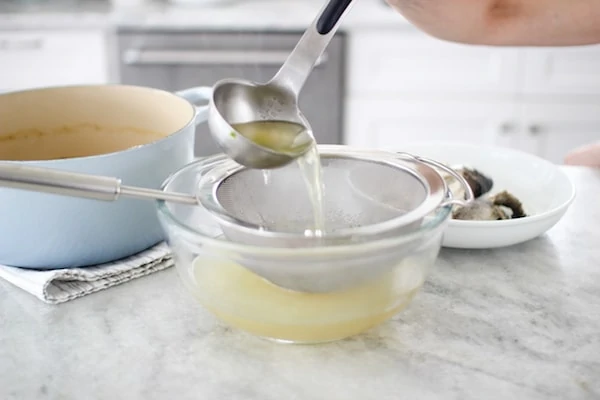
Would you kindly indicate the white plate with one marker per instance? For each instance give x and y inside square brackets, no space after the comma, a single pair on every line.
[544,190]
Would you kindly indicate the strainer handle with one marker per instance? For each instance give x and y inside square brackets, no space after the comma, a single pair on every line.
[75,184]
[469,197]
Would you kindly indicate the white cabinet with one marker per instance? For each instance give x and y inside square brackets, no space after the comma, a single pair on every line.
[45,58]
[561,71]
[404,86]
[395,122]
[551,130]
[548,130]
[411,62]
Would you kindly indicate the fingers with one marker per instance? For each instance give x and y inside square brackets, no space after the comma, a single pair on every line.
[587,156]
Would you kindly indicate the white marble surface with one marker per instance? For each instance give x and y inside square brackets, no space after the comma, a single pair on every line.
[239,15]
[517,323]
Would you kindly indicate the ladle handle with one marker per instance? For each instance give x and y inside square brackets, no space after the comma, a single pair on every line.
[73,184]
[297,67]
[331,15]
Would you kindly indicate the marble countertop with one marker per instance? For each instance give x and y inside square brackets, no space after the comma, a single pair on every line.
[516,323]
[237,15]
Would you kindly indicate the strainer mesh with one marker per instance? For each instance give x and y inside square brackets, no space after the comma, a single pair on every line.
[356,193]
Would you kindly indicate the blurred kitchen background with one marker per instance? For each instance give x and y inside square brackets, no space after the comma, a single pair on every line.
[381,83]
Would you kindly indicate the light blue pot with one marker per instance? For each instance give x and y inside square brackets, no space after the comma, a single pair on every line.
[46,231]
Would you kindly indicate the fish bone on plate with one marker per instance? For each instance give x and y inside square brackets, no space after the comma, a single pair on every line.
[527,197]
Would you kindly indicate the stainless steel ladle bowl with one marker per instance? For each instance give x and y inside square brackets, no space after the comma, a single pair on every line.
[236,101]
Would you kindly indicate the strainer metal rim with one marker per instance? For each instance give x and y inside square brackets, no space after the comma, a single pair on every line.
[436,194]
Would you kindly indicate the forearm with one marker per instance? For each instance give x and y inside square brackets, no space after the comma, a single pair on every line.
[506,22]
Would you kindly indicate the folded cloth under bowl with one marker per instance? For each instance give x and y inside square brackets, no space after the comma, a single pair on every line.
[61,285]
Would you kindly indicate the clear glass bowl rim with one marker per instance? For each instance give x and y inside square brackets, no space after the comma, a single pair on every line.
[436,221]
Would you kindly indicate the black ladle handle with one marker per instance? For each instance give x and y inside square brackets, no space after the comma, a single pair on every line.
[331,15]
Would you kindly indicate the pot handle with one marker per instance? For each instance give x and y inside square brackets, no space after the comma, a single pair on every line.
[469,197]
[198,95]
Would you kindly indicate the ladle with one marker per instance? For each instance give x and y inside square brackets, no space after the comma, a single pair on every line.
[236,101]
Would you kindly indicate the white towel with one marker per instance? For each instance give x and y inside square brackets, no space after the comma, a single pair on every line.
[61,285]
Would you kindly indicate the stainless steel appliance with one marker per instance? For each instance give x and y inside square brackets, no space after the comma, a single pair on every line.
[175,59]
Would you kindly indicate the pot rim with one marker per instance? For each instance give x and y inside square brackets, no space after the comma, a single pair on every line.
[59,161]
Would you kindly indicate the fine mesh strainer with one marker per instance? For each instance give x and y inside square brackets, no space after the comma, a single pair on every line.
[367,195]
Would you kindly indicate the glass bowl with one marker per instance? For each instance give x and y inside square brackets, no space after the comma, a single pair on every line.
[214,270]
